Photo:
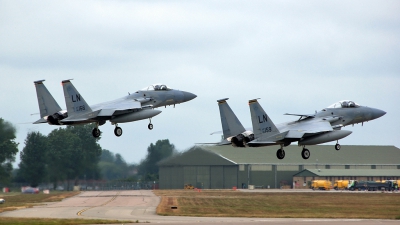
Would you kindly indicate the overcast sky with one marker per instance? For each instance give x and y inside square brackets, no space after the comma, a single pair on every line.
[297,56]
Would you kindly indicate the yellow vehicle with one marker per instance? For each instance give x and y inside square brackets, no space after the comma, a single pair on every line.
[188,186]
[321,185]
[341,184]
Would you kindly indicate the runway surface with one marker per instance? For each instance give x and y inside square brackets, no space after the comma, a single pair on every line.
[141,205]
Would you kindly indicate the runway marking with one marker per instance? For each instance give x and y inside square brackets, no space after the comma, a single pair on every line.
[83,210]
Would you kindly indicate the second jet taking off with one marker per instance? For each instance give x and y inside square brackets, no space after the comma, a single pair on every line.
[310,129]
[136,106]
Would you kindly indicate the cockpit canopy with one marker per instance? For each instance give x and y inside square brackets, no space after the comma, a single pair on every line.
[344,104]
[157,87]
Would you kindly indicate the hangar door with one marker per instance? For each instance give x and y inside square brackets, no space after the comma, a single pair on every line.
[198,176]
[230,176]
[217,177]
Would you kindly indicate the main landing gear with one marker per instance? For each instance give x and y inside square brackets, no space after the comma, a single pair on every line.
[305,153]
[96,132]
[280,154]
[117,130]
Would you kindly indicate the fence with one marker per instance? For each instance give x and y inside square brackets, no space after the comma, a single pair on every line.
[91,185]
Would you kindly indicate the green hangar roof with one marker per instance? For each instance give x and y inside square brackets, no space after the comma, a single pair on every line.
[347,173]
[320,154]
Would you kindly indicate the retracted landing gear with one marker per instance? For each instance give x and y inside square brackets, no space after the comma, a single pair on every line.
[150,126]
[305,153]
[337,146]
[96,132]
[117,130]
[280,154]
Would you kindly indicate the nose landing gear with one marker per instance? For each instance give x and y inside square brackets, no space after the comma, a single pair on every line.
[150,126]
[337,146]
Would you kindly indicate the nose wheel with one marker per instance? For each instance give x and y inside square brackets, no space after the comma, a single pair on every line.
[118,131]
[150,126]
[305,153]
[337,146]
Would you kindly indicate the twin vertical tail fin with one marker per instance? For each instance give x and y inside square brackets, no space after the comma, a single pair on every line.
[75,103]
[47,103]
[262,124]
[231,125]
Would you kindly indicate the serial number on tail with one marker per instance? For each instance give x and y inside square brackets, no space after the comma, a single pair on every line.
[266,129]
[79,108]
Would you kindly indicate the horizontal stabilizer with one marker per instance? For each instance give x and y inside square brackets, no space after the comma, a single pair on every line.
[224,142]
[41,120]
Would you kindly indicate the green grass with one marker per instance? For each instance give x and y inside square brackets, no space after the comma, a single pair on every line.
[279,205]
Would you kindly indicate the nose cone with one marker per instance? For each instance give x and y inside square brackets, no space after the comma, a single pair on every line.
[187,96]
[376,113]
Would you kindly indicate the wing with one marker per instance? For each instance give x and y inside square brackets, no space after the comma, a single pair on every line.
[294,131]
[119,108]
[106,110]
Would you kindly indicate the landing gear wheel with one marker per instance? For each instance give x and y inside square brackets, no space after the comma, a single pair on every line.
[280,154]
[305,153]
[118,131]
[337,147]
[96,132]
[150,126]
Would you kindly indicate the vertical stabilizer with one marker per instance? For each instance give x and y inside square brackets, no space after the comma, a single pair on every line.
[47,103]
[262,124]
[75,103]
[231,125]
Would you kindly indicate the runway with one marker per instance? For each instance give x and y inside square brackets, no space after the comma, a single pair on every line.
[141,205]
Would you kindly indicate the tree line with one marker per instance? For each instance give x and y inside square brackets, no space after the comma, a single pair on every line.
[72,154]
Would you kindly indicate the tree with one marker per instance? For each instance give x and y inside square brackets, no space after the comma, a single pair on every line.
[155,153]
[8,149]
[107,156]
[73,153]
[92,150]
[32,167]
[112,166]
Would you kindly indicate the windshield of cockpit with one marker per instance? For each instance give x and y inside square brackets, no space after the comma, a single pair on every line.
[157,87]
[344,104]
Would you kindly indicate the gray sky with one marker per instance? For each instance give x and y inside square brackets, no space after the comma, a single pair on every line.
[297,56]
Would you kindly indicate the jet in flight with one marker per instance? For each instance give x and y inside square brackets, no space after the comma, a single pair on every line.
[136,106]
[310,129]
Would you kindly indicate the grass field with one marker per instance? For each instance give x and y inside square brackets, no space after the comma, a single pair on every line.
[279,205]
[15,200]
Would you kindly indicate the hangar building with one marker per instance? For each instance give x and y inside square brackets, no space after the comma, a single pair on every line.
[225,167]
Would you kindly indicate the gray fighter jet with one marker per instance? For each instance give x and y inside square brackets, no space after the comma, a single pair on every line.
[136,106]
[309,129]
